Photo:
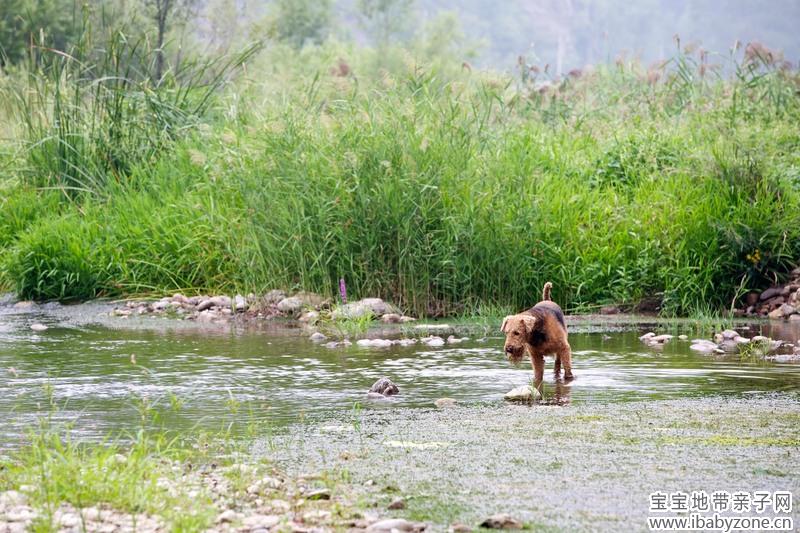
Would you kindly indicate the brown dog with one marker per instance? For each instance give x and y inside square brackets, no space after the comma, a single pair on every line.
[541,331]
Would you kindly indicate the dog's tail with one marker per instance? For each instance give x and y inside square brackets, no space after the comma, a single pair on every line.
[546,291]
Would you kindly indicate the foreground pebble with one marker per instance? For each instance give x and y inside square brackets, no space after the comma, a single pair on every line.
[501,521]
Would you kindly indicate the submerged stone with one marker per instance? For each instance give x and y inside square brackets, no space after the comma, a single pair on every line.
[385,386]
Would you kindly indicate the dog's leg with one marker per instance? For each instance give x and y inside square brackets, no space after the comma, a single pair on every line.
[537,361]
[565,354]
[557,366]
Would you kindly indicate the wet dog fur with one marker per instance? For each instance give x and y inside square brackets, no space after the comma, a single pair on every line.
[539,331]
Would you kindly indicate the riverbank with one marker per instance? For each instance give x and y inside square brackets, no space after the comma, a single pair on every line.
[576,467]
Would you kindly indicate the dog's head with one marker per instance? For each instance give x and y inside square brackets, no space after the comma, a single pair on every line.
[518,329]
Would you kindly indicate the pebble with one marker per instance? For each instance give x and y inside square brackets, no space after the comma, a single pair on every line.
[442,403]
[227,516]
[397,503]
[38,327]
[320,494]
[260,520]
[394,524]
[501,521]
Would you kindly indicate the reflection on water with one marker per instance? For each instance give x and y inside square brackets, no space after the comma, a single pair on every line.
[284,378]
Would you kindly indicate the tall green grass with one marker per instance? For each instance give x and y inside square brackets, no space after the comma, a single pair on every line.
[446,192]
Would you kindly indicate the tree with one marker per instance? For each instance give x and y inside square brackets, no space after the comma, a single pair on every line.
[385,19]
[164,12]
[52,23]
[299,22]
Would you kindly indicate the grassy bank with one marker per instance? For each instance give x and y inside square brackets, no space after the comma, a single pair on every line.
[440,190]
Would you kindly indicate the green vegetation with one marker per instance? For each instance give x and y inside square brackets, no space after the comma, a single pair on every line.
[438,188]
[160,477]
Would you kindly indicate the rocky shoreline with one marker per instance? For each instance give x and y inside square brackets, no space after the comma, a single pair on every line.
[306,307]
[781,302]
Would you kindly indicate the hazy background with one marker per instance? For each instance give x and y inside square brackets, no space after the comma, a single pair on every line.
[566,34]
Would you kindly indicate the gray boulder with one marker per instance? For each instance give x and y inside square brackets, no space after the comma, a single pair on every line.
[385,386]
[367,306]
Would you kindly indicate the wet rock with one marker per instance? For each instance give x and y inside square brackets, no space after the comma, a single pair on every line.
[239,303]
[317,337]
[769,293]
[340,344]
[395,524]
[375,396]
[38,327]
[729,334]
[660,339]
[647,336]
[442,403]
[452,339]
[375,343]
[501,521]
[397,503]
[458,527]
[406,342]
[525,393]
[705,347]
[385,386]
[683,337]
[794,317]
[121,312]
[433,340]
[784,358]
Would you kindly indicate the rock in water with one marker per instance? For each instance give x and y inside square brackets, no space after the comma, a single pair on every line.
[501,521]
[317,337]
[394,524]
[385,386]
[526,393]
[38,327]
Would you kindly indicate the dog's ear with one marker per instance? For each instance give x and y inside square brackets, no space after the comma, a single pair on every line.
[505,323]
[528,322]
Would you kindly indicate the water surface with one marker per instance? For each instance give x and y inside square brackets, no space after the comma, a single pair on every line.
[221,374]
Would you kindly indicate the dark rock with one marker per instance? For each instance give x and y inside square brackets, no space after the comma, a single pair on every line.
[609,310]
[751,298]
[769,293]
[397,503]
[385,386]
